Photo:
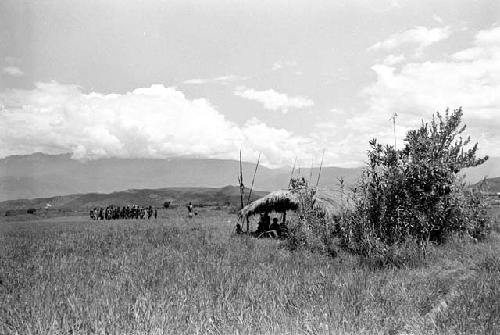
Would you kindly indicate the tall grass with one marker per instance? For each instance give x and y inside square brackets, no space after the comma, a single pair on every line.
[179,276]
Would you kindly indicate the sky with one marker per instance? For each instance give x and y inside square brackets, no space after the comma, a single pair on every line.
[290,80]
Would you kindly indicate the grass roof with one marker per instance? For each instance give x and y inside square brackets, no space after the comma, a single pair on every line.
[325,201]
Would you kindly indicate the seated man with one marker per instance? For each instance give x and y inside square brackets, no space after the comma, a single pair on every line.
[266,222]
[275,226]
[260,225]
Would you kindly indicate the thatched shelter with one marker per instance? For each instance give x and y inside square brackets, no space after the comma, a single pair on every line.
[277,201]
[324,201]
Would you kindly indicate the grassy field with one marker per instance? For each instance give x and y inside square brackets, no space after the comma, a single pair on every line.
[70,275]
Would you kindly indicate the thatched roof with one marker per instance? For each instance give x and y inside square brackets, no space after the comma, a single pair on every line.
[277,201]
[325,201]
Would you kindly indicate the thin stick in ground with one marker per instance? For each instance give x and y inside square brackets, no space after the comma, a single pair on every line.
[320,167]
[253,179]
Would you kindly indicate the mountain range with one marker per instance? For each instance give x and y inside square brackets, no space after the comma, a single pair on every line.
[492,185]
[226,196]
[41,175]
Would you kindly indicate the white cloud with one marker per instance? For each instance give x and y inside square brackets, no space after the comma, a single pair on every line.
[195,81]
[437,18]
[13,71]
[283,64]
[220,80]
[469,78]
[273,100]
[149,122]
[393,59]
[421,36]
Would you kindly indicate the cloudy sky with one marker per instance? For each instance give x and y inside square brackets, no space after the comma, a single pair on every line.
[206,78]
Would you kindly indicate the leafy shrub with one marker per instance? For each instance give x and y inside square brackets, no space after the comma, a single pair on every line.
[311,230]
[31,211]
[414,194]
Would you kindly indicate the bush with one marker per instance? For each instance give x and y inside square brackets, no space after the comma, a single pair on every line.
[311,230]
[31,211]
[414,194]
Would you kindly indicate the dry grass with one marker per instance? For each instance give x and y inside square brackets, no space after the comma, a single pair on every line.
[175,276]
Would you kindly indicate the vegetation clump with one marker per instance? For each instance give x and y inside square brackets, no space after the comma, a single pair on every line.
[312,229]
[409,197]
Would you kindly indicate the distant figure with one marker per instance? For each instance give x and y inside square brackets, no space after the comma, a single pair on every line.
[190,210]
[266,222]
[156,213]
[275,227]
[150,212]
[260,225]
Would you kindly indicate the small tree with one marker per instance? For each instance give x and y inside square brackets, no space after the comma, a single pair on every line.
[414,193]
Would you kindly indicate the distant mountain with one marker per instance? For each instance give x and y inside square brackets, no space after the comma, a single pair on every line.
[226,196]
[492,183]
[490,169]
[41,175]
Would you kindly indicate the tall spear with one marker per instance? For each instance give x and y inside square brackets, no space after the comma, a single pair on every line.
[253,179]
[291,174]
[242,186]
[320,167]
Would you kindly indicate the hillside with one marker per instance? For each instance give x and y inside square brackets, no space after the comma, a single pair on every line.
[226,196]
[41,175]
[490,169]
[493,185]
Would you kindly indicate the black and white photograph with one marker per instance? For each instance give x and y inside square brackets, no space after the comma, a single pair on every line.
[249,167]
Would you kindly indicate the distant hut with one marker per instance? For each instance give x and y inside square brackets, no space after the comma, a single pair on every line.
[277,201]
[323,201]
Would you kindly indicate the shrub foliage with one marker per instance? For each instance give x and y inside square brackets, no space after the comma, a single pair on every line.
[311,230]
[415,193]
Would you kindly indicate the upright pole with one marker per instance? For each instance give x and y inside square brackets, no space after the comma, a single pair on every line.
[242,186]
[253,179]
[242,190]
[291,174]
[311,171]
[320,167]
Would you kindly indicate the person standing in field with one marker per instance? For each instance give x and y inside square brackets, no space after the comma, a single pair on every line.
[150,212]
[156,213]
[190,210]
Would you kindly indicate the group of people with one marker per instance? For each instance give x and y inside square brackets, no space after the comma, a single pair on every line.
[266,228]
[123,213]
